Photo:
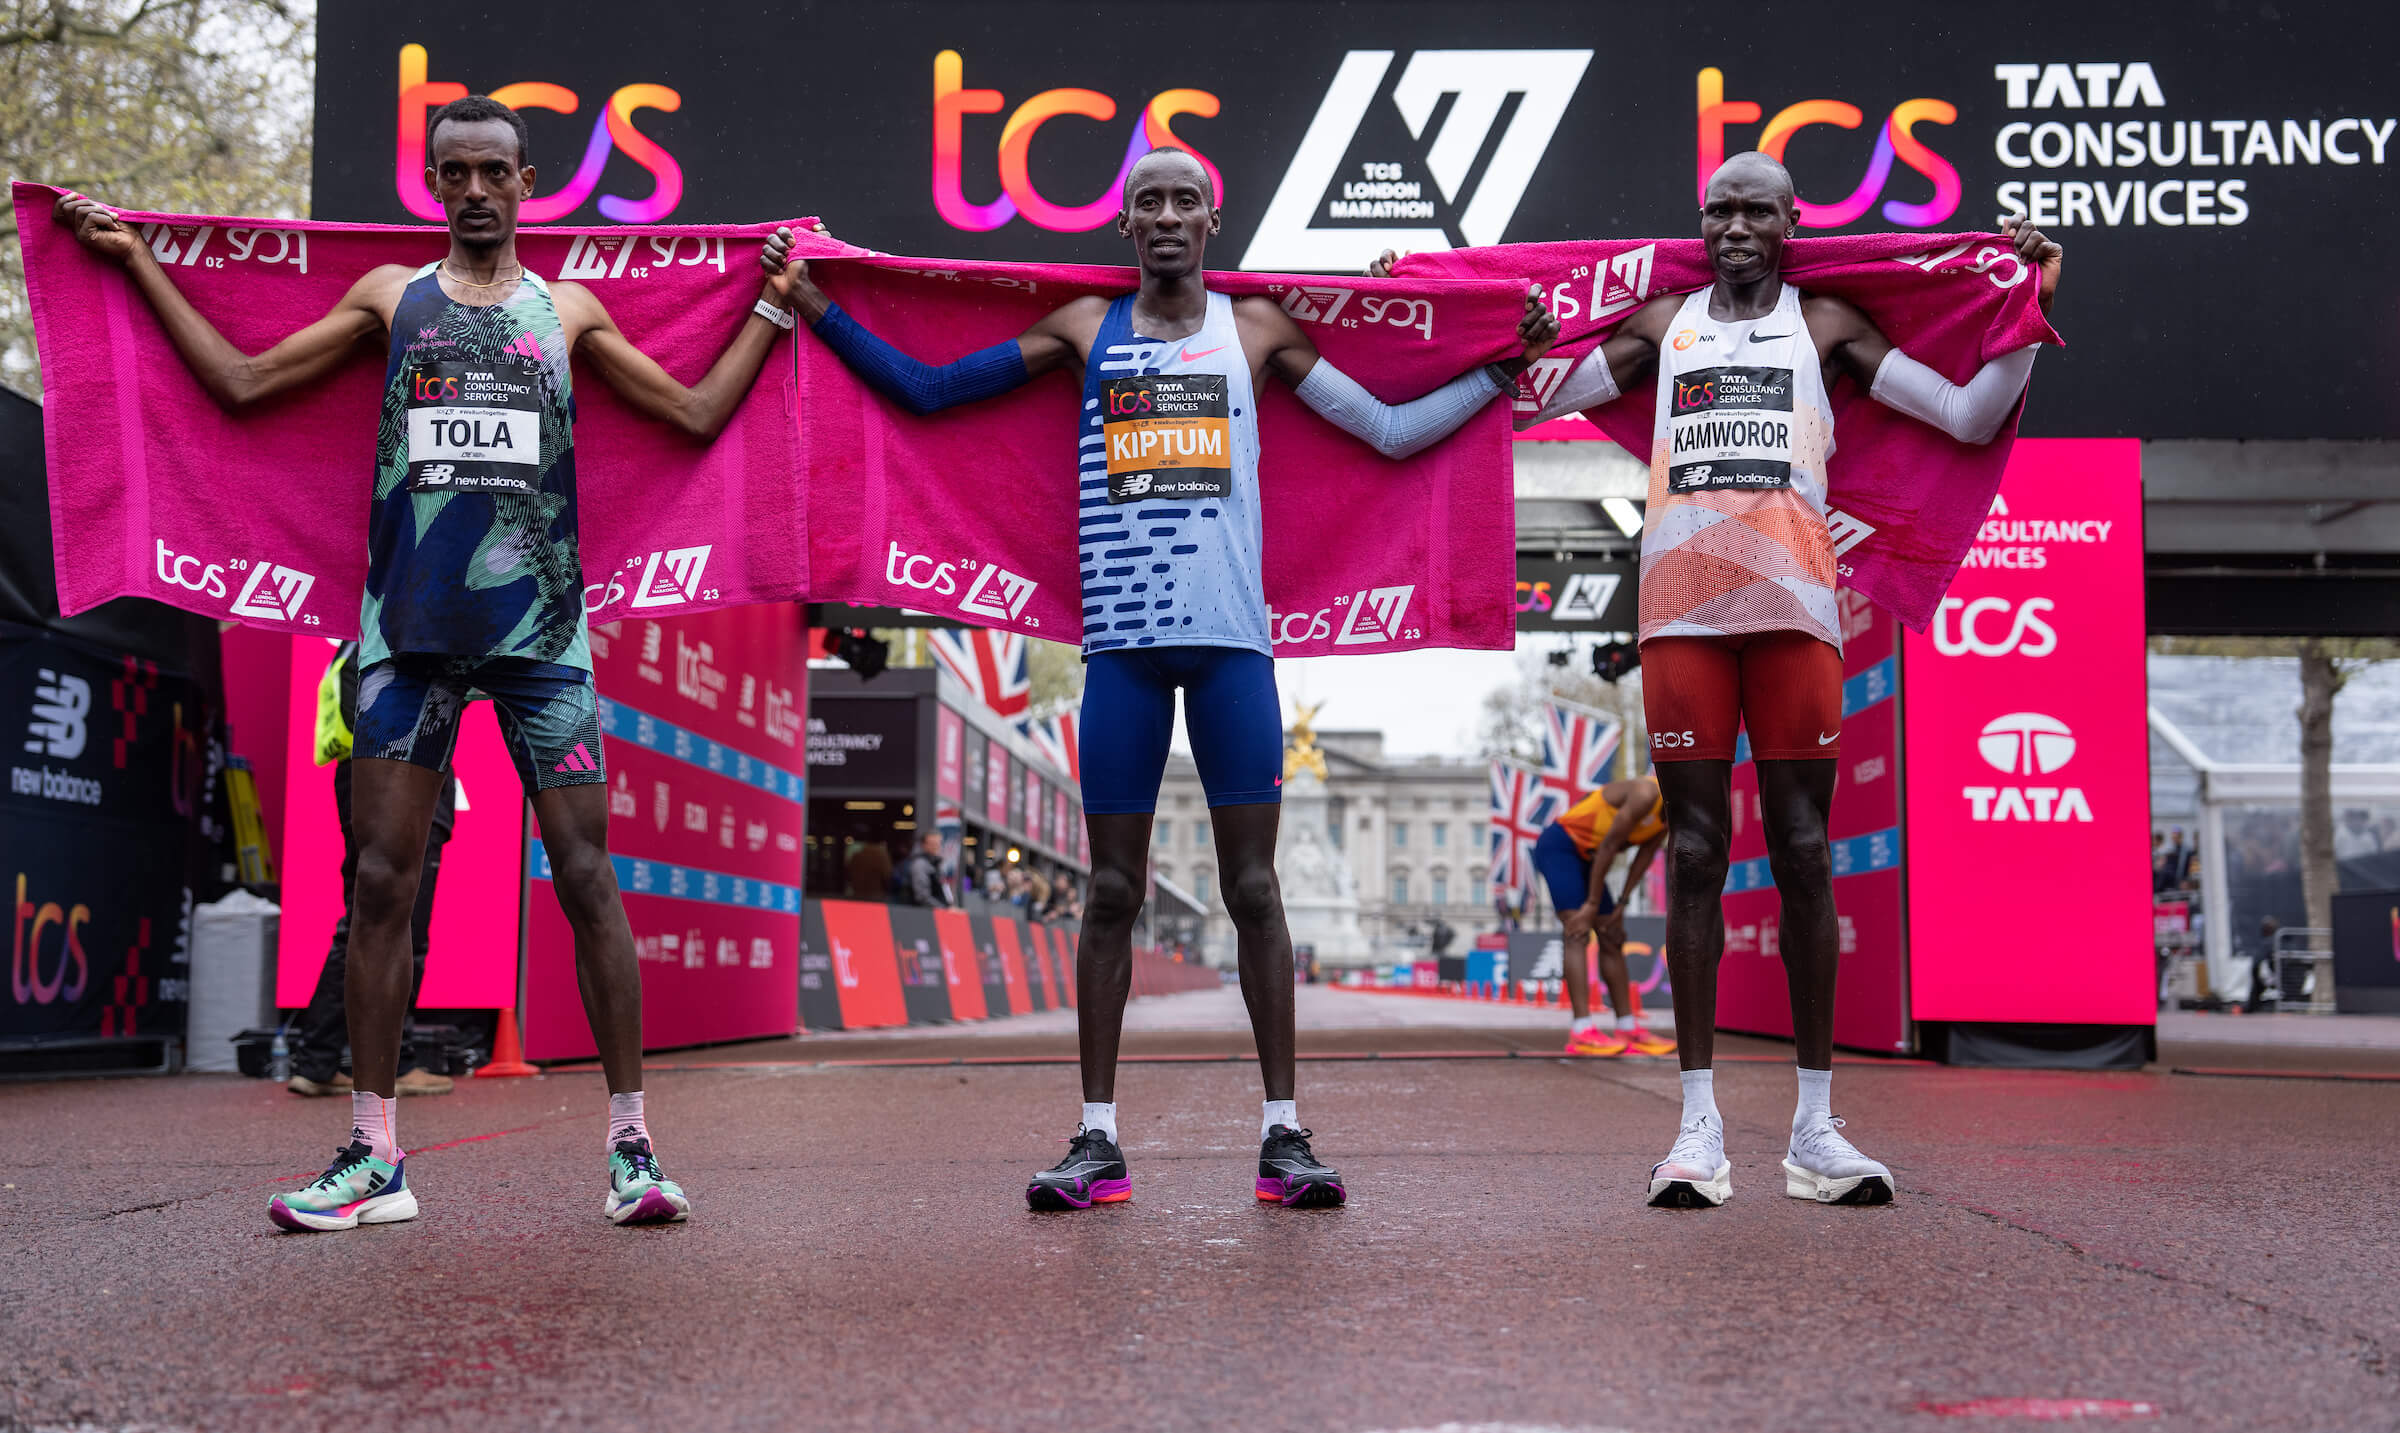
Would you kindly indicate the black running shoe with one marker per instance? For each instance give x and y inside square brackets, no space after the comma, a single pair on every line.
[1289,1175]
[1092,1173]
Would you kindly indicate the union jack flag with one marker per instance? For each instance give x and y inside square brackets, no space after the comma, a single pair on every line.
[991,664]
[1577,743]
[1521,807]
[1056,738]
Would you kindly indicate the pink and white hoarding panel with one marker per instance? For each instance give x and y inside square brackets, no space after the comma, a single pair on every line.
[2028,756]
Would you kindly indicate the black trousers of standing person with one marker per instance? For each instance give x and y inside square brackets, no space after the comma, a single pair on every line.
[324,1027]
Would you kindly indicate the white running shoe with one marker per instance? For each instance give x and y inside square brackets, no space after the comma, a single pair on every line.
[1694,1175]
[1826,1167]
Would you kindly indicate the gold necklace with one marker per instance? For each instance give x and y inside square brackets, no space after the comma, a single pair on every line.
[452,275]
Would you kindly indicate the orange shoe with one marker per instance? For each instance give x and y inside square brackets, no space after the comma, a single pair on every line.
[1639,1041]
[1606,1044]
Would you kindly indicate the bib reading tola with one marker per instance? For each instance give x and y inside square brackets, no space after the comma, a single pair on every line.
[471,537]
[1168,463]
[1735,539]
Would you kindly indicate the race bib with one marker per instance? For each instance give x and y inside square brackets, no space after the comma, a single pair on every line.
[1167,436]
[1730,427]
[474,427]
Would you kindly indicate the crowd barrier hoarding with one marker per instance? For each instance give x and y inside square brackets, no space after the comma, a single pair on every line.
[880,966]
[704,720]
[2028,757]
[109,777]
[2181,164]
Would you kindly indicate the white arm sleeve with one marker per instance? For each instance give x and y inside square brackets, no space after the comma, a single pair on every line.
[1394,430]
[1971,414]
[1588,386]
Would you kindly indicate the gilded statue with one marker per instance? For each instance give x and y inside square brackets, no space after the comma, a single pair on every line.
[1300,751]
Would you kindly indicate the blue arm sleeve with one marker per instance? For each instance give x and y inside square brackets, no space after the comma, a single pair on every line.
[921,388]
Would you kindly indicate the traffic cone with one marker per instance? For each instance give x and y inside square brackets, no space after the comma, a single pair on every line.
[508,1053]
[1633,998]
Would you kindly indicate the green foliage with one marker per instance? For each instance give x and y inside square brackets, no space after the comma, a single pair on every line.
[194,106]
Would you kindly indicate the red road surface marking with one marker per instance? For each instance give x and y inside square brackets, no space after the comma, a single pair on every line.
[2230,1073]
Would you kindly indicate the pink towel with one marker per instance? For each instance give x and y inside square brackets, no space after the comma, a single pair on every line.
[1908,497]
[261,517]
[1362,554]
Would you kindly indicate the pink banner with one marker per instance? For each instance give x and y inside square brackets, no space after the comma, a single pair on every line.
[703,719]
[2028,756]
[1906,496]
[260,517]
[949,756]
[972,513]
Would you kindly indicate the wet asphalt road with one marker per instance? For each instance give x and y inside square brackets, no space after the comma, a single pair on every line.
[2216,1252]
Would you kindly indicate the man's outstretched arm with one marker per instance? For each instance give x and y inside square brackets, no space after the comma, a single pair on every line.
[231,377]
[1971,412]
[923,388]
[702,410]
[1396,430]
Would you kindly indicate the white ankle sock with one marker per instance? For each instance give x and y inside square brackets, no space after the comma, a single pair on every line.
[1102,1118]
[1278,1112]
[372,1124]
[625,1119]
[1816,1096]
[1700,1096]
[1590,1023]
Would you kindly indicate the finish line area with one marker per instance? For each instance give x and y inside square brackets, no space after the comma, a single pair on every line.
[2137,1242]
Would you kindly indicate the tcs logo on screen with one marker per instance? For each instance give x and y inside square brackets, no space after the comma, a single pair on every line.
[1894,140]
[612,128]
[952,103]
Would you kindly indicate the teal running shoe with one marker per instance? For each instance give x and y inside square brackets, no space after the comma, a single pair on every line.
[638,1193]
[357,1188]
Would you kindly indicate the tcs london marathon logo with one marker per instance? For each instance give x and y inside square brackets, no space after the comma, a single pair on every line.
[612,130]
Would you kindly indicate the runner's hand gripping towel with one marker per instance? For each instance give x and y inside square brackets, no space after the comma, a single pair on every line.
[1906,498]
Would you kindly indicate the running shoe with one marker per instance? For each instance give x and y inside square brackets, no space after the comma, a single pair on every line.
[1694,1175]
[421,1081]
[1606,1044]
[1289,1175]
[357,1188]
[1640,1041]
[335,1084]
[638,1192]
[1092,1173]
[1826,1167]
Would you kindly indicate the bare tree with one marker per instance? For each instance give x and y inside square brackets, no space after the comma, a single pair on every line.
[196,106]
[1511,724]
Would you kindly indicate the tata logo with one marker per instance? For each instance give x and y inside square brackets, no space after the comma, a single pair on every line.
[1469,90]
[61,706]
[999,594]
[275,593]
[612,127]
[2027,635]
[1894,140]
[953,102]
[2026,744]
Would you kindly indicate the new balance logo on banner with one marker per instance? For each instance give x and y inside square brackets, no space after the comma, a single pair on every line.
[1332,179]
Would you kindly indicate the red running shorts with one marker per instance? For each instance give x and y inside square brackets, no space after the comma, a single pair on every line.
[1699,692]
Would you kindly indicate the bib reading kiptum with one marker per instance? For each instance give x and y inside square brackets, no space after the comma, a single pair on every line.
[474,427]
[1166,436]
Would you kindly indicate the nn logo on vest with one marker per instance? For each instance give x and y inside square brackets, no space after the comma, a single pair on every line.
[1324,214]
